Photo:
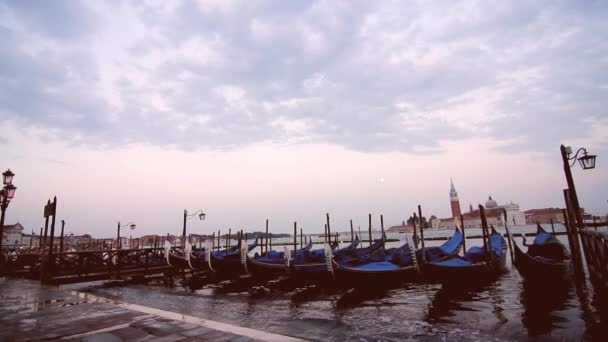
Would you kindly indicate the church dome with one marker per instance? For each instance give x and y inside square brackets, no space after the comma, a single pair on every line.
[490,203]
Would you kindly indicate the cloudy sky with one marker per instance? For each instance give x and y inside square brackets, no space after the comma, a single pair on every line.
[135,110]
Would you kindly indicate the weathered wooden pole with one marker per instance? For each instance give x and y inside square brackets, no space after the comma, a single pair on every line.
[46,221]
[421,224]
[228,239]
[213,241]
[464,238]
[270,242]
[54,212]
[552,226]
[573,237]
[325,233]
[61,237]
[328,228]
[184,228]
[484,227]
[266,247]
[295,237]
[382,229]
[40,240]
[370,229]
[415,237]
[572,193]
[301,238]
[504,212]
[352,232]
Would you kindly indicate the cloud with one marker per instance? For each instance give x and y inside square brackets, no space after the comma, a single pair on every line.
[364,76]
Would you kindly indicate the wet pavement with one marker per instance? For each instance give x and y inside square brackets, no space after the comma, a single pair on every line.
[31,312]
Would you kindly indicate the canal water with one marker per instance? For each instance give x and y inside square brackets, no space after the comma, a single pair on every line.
[506,309]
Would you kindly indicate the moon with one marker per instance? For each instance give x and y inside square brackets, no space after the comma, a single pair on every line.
[381,179]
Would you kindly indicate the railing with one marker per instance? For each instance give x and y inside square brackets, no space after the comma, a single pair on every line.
[109,263]
[595,247]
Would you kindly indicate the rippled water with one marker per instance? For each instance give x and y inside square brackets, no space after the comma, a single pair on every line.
[506,309]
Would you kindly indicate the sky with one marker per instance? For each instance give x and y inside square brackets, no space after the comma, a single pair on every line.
[288,110]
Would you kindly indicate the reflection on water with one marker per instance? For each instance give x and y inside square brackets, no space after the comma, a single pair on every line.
[506,309]
[544,305]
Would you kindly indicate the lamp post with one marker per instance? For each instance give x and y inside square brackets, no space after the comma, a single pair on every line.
[201,216]
[6,195]
[587,162]
[130,225]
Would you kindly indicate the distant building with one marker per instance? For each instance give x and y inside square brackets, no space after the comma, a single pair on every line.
[544,215]
[472,219]
[12,234]
[30,240]
[454,201]
[402,228]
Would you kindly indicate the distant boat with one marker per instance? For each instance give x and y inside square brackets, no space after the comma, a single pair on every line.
[546,258]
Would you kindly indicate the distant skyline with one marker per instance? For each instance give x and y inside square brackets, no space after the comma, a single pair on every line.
[137,110]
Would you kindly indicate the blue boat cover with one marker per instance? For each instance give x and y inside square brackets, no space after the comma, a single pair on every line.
[542,238]
[447,248]
[450,246]
[380,259]
[475,253]
[376,266]
[355,253]
[456,261]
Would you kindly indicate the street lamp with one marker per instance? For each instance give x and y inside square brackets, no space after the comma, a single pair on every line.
[130,225]
[201,216]
[6,195]
[587,162]
[8,177]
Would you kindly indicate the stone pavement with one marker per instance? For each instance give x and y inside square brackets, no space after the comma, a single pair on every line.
[32,312]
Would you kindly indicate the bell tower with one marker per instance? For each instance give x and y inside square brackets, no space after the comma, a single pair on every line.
[454,201]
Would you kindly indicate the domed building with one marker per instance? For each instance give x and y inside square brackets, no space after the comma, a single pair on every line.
[490,203]
[472,219]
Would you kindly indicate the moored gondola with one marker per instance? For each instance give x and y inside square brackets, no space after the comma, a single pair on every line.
[546,258]
[391,266]
[231,262]
[188,258]
[272,263]
[477,264]
[315,265]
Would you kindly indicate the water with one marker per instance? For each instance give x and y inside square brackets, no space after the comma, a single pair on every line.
[507,309]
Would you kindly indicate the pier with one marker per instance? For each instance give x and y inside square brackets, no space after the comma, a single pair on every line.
[32,312]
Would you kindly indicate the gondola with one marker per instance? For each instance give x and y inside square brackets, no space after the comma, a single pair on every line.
[546,257]
[272,263]
[230,263]
[315,265]
[196,260]
[392,266]
[475,266]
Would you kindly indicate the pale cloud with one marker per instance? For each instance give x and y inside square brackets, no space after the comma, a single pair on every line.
[261,30]
[465,69]
[221,6]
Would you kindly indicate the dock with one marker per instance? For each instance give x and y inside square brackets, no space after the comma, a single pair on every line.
[30,311]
